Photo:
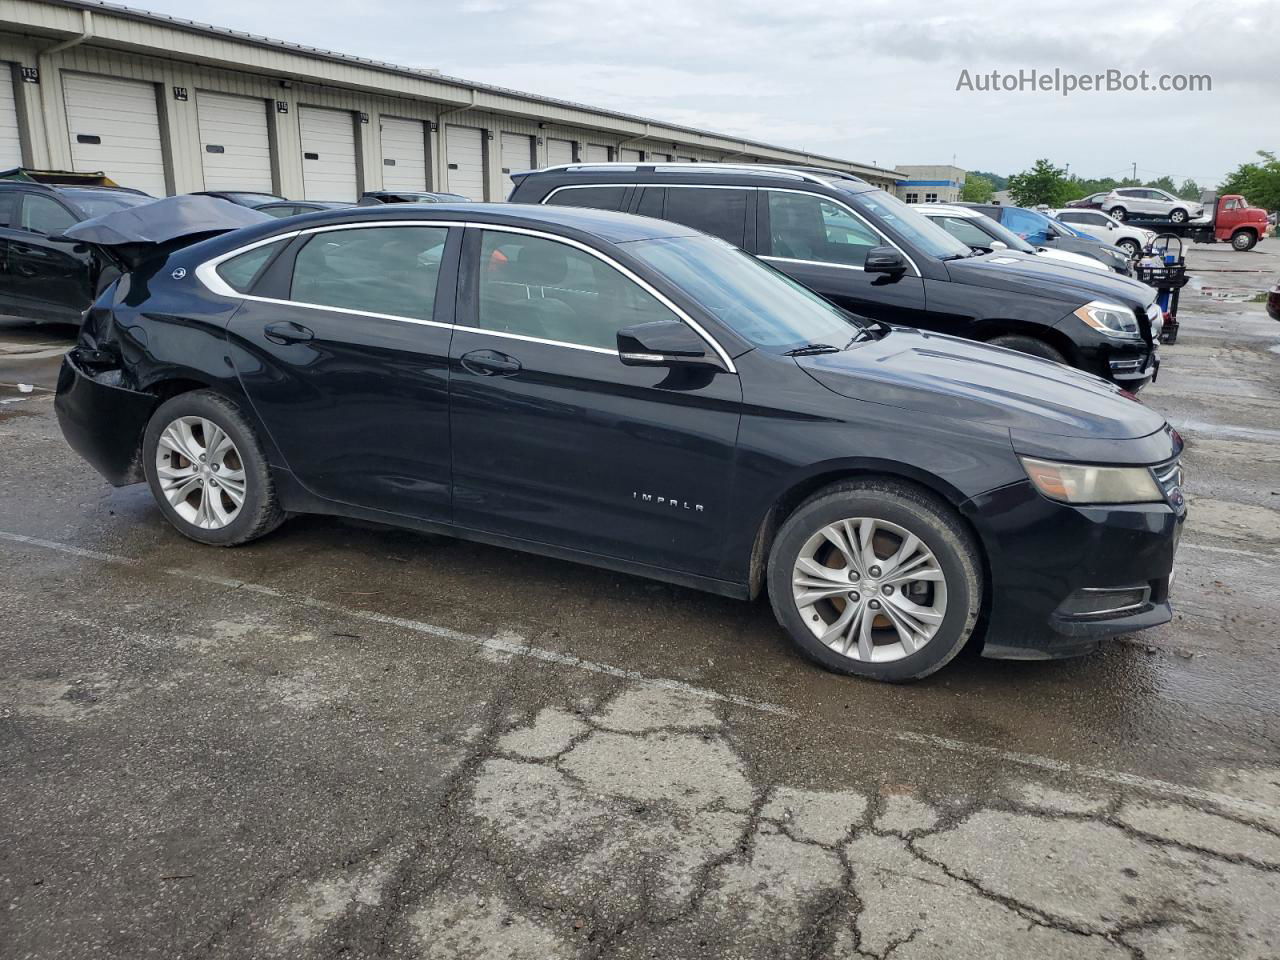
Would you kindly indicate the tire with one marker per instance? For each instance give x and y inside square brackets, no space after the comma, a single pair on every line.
[1132,249]
[203,515]
[1029,345]
[1243,240]
[1118,213]
[1178,216]
[899,510]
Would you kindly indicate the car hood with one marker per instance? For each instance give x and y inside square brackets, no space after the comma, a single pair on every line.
[945,376]
[1040,276]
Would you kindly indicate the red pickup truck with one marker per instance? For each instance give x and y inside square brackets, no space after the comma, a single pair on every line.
[1232,221]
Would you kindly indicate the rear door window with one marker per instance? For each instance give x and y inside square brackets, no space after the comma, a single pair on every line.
[385,270]
[8,208]
[721,213]
[807,227]
[599,198]
[241,271]
[1025,224]
[651,203]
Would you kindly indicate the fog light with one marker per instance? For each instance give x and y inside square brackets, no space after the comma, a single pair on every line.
[1104,601]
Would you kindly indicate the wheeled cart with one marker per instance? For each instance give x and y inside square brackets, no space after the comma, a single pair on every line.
[1164,266]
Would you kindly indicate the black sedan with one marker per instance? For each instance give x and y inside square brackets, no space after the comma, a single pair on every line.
[628,393]
[243,198]
[292,208]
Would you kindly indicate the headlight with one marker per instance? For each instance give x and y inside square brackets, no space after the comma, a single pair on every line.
[1074,483]
[1113,319]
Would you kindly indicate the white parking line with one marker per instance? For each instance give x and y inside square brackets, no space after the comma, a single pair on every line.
[1266,559]
[513,646]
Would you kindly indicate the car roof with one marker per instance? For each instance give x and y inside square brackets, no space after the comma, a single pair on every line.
[67,187]
[745,173]
[605,225]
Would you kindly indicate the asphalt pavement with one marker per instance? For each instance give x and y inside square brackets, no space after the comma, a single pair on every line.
[348,740]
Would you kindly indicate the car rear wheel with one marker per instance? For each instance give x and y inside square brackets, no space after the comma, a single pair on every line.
[207,471]
[1031,345]
[1243,240]
[1131,248]
[876,579]
[1178,216]
[1118,213]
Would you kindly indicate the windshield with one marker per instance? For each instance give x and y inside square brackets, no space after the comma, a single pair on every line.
[915,229]
[95,203]
[757,302]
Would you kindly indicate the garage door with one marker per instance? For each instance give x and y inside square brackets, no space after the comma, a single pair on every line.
[659,157]
[517,155]
[235,148]
[559,152]
[464,158]
[597,153]
[404,154]
[114,127]
[328,154]
[629,156]
[10,148]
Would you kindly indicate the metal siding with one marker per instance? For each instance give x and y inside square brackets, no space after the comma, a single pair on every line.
[517,155]
[10,144]
[559,152]
[239,126]
[331,135]
[122,113]
[405,142]
[464,149]
[597,153]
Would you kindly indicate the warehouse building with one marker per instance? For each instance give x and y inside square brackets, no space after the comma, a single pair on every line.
[172,106]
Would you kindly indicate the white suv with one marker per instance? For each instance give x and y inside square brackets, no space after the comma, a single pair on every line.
[1125,202]
[1132,240]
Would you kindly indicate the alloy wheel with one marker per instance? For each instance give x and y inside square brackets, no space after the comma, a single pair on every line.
[201,473]
[1178,216]
[869,589]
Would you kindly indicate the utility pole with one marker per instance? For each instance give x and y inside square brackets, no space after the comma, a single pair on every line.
[1135,170]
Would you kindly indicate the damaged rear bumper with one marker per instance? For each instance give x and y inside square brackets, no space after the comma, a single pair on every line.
[102,420]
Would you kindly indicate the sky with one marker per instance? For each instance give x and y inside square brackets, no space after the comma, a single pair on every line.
[874,81]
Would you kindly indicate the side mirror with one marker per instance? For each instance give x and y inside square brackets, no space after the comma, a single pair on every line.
[662,343]
[999,245]
[885,260]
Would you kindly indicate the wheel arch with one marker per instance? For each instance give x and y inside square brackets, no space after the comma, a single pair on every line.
[989,329]
[824,475]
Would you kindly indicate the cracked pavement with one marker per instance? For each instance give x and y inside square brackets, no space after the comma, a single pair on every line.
[352,741]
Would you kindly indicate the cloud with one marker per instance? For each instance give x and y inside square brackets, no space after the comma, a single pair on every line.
[875,82]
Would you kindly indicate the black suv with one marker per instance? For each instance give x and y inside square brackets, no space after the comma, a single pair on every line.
[871,254]
[43,275]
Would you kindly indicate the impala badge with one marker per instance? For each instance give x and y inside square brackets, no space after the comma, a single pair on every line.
[673,502]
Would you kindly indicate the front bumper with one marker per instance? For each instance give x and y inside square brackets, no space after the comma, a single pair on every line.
[102,420]
[1044,556]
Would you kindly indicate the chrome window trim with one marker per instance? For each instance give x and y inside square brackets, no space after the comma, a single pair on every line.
[640,186]
[207,274]
[634,278]
[815,263]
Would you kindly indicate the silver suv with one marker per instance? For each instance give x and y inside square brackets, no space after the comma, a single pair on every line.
[1149,202]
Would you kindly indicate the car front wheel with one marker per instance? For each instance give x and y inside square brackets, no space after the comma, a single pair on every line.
[207,471]
[1178,216]
[877,579]
[1132,249]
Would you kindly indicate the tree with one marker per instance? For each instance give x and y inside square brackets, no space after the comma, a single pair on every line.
[1190,190]
[977,189]
[1258,182]
[1165,183]
[1043,183]
[997,182]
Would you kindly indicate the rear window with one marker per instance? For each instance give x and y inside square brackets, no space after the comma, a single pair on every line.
[721,213]
[240,272]
[600,198]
